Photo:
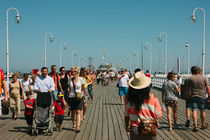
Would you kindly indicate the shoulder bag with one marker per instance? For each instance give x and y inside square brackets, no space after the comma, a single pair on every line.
[147,127]
[78,95]
[119,80]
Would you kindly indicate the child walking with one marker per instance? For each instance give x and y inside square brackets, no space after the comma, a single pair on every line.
[29,110]
[59,107]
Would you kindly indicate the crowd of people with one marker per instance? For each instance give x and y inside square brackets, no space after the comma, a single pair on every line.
[68,90]
[142,107]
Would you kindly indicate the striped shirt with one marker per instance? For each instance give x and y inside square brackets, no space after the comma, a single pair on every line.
[150,110]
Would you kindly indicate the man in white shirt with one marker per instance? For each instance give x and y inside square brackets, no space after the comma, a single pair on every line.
[44,83]
[123,84]
[44,86]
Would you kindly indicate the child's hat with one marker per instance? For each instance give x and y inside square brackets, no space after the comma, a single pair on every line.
[60,94]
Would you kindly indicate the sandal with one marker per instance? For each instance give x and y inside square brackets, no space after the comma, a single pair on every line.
[77,130]
[195,129]
[74,128]
[204,127]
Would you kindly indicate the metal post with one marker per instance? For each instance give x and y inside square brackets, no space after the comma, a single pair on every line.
[150,57]
[166,57]
[203,49]
[7,54]
[45,47]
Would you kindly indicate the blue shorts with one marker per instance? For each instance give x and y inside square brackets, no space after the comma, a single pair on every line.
[123,91]
[198,104]
[188,103]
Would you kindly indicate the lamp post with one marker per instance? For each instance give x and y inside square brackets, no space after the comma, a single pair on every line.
[188,57]
[65,47]
[73,54]
[160,39]
[45,46]
[149,44]
[7,54]
[193,19]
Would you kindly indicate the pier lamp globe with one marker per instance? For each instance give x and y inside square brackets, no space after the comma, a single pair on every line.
[159,39]
[187,45]
[51,38]
[193,18]
[18,19]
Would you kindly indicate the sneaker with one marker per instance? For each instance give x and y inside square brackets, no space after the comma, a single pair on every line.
[195,129]
[170,129]
[204,127]
[187,124]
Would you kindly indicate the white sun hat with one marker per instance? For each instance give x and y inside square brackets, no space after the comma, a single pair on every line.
[139,81]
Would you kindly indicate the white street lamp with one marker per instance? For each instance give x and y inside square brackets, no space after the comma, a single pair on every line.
[188,57]
[73,54]
[62,44]
[149,44]
[166,58]
[193,19]
[7,54]
[45,46]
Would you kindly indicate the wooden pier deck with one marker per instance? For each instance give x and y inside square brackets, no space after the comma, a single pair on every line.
[104,120]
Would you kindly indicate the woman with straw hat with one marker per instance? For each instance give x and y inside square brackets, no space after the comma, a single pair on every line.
[141,105]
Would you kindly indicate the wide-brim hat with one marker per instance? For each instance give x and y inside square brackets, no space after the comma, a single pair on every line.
[139,81]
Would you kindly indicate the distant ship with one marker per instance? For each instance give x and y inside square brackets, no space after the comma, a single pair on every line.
[105,67]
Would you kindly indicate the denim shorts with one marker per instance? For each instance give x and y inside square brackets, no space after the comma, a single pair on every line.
[188,103]
[198,103]
[123,91]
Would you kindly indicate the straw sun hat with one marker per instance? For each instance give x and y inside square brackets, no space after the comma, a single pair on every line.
[139,81]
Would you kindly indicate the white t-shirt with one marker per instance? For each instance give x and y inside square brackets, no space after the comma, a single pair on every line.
[112,74]
[26,84]
[178,81]
[123,82]
[78,86]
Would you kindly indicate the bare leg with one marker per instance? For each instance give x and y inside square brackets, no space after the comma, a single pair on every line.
[203,115]
[175,115]
[122,99]
[78,119]
[73,118]
[195,118]
[84,110]
[188,113]
[169,116]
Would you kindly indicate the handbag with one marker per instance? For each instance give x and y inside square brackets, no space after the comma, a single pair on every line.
[5,108]
[78,95]
[20,89]
[147,127]
[119,81]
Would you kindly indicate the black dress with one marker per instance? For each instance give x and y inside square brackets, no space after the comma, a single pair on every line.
[64,85]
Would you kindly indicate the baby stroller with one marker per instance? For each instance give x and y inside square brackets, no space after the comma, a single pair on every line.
[42,113]
[106,81]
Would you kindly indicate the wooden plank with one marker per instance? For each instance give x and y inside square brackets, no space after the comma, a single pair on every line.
[93,130]
[105,134]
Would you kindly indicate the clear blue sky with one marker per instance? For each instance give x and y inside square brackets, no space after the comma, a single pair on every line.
[83,25]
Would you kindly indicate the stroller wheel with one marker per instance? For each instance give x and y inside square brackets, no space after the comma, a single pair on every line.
[50,131]
[36,131]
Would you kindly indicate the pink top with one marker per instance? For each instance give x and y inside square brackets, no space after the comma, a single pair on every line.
[150,109]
